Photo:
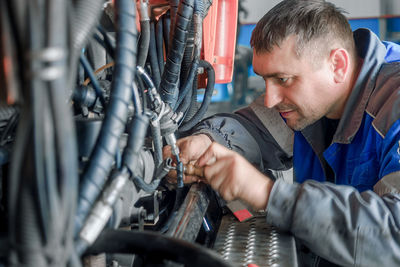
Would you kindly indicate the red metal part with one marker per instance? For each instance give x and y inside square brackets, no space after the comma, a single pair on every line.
[219,38]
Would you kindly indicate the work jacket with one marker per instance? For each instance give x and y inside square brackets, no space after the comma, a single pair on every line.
[352,219]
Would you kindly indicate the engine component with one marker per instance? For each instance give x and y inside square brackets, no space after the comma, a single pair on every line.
[83,125]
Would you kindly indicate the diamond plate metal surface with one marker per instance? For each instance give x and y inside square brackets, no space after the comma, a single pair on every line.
[254,241]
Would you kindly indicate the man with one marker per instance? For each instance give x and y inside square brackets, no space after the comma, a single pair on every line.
[340,96]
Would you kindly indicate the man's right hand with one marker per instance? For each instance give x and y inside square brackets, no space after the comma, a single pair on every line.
[190,149]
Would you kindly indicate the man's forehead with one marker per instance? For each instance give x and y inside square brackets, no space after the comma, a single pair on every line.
[288,42]
[280,62]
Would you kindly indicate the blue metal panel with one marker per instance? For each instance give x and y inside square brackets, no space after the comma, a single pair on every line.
[393,25]
[372,24]
[222,93]
[245,34]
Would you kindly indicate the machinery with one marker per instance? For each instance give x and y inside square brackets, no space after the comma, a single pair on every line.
[90,92]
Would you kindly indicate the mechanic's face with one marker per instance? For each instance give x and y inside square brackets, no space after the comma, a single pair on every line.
[302,92]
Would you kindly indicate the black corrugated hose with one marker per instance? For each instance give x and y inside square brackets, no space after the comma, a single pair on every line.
[188,55]
[194,41]
[84,15]
[173,10]
[197,25]
[102,158]
[170,77]
[207,97]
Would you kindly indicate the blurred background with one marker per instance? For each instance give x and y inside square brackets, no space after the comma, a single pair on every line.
[380,16]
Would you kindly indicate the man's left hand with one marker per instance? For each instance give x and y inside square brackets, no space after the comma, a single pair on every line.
[234,177]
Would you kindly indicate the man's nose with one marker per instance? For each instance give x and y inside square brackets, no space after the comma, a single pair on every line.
[273,95]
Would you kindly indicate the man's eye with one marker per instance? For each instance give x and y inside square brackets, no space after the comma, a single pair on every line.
[283,80]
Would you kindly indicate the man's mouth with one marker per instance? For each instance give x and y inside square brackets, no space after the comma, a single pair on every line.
[286,113]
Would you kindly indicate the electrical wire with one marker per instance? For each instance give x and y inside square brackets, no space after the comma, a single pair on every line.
[97,88]
[96,72]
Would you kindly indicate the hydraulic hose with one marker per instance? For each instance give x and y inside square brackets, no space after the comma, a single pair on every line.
[144,40]
[153,58]
[103,208]
[194,42]
[170,78]
[187,99]
[151,243]
[187,55]
[113,126]
[65,143]
[157,141]
[157,106]
[136,100]
[159,173]
[173,10]
[83,20]
[152,93]
[45,148]
[137,134]
[106,42]
[166,20]
[197,40]
[192,104]
[207,97]
[159,45]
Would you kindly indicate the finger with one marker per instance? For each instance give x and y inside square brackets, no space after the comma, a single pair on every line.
[212,154]
[192,147]
[172,174]
[207,158]
[215,174]
[167,152]
[187,179]
[187,152]
[172,177]
[226,191]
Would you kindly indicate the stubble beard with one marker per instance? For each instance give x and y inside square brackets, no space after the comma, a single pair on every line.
[302,122]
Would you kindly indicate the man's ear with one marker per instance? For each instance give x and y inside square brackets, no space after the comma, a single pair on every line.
[340,60]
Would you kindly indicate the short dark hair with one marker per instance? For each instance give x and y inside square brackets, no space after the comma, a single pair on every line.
[309,20]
